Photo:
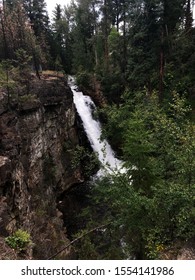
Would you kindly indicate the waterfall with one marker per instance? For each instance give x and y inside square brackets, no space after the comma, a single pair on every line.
[110,164]
[85,108]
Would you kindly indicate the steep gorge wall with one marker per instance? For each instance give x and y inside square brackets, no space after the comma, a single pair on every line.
[37,137]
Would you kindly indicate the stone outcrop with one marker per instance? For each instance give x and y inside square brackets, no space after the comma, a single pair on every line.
[37,137]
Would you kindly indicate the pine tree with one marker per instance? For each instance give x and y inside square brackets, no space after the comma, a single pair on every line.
[83,33]
[59,34]
[36,11]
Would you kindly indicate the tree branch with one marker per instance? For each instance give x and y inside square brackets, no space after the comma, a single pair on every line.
[77,239]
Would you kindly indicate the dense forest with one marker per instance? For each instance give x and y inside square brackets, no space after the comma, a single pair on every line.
[138,56]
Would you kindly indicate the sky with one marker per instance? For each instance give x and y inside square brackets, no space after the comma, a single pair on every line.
[52,3]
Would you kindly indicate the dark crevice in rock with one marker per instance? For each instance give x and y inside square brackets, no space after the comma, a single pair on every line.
[70,204]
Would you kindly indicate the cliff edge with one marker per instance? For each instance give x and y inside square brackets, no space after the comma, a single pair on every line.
[37,135]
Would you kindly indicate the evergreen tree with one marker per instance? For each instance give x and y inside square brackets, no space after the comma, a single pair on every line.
[17,34]
[60,37]
[83,52]
[37,13]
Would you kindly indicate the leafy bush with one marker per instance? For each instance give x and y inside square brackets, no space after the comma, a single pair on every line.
[83,157]
[83,79]
[19,240]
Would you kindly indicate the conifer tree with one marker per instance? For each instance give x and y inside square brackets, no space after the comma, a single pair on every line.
[37,12]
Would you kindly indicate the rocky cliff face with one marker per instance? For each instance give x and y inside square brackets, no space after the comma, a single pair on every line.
[37,136]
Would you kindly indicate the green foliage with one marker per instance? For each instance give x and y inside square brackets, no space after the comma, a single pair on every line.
[83,79]
[16,32]
[23,59]
[19,240]
[84,158]
[36,10]
[85,248]
[6,68]
[22,71]
[58,64]
[83,35]
[152,204]
[27,98]
[127,43]
[61,38]
[112,84]
[6,78]
[15,79]
[131,45]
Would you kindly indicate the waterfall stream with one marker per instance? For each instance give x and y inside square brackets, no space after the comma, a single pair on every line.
[109,163]
[85,108]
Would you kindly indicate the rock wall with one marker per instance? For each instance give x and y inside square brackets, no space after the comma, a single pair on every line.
[37,136]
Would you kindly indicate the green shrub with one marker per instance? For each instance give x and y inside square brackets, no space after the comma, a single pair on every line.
[85,158]
[19,240]
[83,79]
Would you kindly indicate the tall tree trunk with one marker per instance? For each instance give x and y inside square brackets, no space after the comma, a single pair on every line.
[36,65]
[95,35]
[106,34]
[7,85]
[124,39]
[2,18]
[189,17]
[117,15]
[162,64]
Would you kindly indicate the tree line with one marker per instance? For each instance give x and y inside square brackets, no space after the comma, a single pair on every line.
[134,44]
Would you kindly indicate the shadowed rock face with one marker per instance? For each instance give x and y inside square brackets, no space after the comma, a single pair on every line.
[37,135]
[5,170]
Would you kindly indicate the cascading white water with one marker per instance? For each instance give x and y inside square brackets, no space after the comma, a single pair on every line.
[85,107]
